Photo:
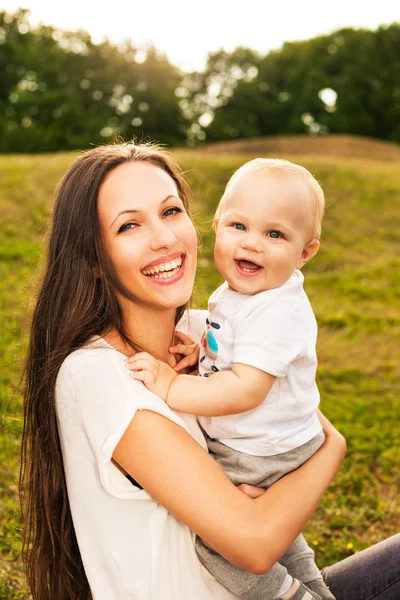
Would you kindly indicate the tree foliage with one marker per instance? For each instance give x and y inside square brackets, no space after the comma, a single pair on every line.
[61,91]
[345,82]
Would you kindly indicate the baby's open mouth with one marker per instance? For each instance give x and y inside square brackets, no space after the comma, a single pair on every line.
[164,270]
[247,266]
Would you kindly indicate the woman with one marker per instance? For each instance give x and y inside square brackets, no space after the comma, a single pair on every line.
[120,271]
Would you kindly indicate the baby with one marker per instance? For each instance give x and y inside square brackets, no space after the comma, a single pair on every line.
[256,398]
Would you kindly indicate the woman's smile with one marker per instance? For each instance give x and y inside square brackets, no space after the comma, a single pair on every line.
[148,235]
[167,269]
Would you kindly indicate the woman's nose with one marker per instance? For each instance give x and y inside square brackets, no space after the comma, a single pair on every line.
[162,237]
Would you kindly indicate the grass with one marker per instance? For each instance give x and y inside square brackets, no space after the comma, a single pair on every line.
[340,145]
[353,284]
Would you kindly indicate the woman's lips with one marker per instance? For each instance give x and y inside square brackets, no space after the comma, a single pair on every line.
[169,274]
[164,259]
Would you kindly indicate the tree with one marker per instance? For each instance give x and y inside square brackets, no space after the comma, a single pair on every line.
[60,91]
[344,82]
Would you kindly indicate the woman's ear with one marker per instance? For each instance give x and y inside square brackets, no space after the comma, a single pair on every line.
[308,252]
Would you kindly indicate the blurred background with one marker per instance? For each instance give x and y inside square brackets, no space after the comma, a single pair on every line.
[79,73]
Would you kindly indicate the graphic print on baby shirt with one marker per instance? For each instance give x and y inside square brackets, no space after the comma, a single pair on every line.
[209,345]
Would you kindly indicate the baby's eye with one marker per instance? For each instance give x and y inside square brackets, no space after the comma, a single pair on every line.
[274,233]
[126,227]
[172,211]
[239,226]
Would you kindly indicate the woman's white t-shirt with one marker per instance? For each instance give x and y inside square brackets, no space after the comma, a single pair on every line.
[131,546]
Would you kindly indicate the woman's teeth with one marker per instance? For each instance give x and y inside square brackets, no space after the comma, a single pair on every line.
[164,270]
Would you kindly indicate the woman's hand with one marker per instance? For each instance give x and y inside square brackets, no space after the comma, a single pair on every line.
[251,491]
[179,474]
[333,436]
[188,348]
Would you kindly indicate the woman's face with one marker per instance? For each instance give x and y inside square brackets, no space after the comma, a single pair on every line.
[148,235]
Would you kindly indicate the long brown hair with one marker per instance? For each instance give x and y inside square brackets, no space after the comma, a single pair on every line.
[72,306]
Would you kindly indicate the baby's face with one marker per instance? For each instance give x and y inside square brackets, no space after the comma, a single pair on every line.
[263,231]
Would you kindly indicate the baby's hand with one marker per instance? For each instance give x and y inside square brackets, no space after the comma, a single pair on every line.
[189,349]
[156,375]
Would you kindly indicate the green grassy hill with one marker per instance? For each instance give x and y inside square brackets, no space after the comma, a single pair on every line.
[353,284]
[340,145]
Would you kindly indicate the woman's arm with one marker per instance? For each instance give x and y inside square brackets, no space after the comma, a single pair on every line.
[177,472]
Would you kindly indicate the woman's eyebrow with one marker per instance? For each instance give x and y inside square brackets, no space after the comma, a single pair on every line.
[129,211]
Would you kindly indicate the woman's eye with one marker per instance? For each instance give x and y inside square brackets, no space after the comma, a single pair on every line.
[172,211]
[239,226]
[126,227]
[274,233]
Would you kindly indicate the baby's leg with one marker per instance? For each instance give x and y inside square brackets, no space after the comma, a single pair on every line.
[298,560]
[242,583]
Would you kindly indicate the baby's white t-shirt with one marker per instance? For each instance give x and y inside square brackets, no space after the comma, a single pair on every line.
[276,332]
[131,547]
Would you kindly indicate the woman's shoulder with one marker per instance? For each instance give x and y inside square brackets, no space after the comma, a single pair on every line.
[95,354]
[94,379]
[96,370]
[96,348]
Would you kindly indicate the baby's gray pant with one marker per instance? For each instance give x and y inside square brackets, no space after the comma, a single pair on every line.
[261,471]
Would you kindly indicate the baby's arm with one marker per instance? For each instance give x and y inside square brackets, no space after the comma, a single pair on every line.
[273,337]
[224,393]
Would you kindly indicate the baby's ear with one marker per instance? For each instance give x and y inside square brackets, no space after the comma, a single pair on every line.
[308,252]
[215,224]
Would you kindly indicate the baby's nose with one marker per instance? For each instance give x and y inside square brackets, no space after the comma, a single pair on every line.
[251,242]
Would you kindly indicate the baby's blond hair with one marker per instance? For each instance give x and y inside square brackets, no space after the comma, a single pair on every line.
[280,166]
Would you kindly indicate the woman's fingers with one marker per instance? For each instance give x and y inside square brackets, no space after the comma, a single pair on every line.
[188,348]
[331,432]
[183,349]
[184,338]
[188,361]
[207,545]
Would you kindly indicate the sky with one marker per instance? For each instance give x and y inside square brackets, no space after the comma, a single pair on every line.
[186,31]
